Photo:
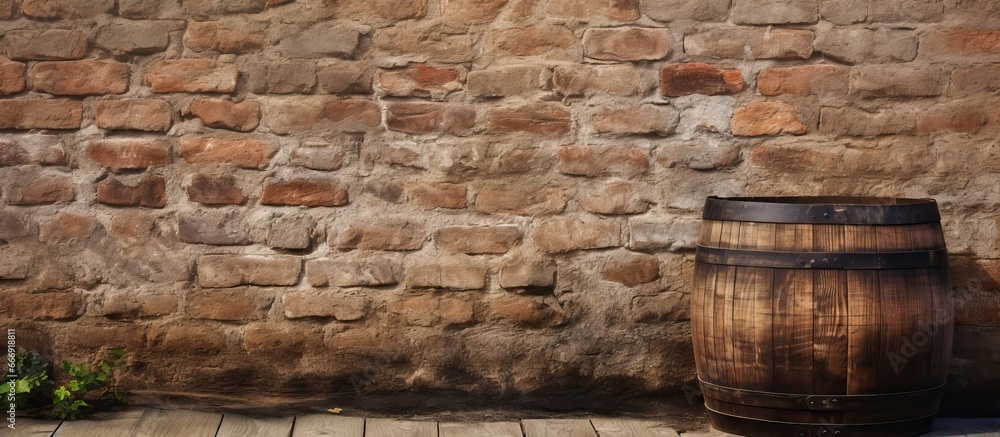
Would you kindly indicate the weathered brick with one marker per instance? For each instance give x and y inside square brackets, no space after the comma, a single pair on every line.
[855,122]
[149,9]
[226,114]
[531,311]
[38,150]
[891,159]
[395,155]
[844,11]
[542,119]
[39,187]
[6,9]
[587,81]
[396,10]
[131,305]
[616,197]
[362,115]
[79,78]
[243,153]
[409,117]
[953,119]
[40,114]
[369,271]
[907,10]
[962,42]
[448,43]
[472,11]
[637,120]
[420,80]
[269,340]
[150,115]
[627,43]
[672,10]
[187,340]
[674,234]
[42,306]
[475,240]
[616,10]
[521,159]
[820,79]
[697,78]
[14,226]
[775,11]
[209,8]
[594,161]
[150,191]
[521,199]
[129,154]
[12,77]
[134,38]
[304,191]
[190,76]
[218,228]
[321,157]
[631,269]
[506,81]
[879,81]
[535,40]
[459,274]
[767,118]
[67,227]
[223,37]
[665,307]
[977,78]
[336,39]
[237,305]
[45,44]
[339,306]
[525,273]
[287,77]
[225,271]
[854,45]
[577,232]
[15,267]
[300,115]
[345,77]
[431,195]
[289,231]
[750,43]
[209,189]
[397,236]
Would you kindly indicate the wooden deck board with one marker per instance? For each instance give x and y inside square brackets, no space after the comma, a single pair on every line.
[480,429]
[174,423]
[109,424]
[235,425]
[611,427]
[558,428]
[315,425]
[399,428]
[30,428]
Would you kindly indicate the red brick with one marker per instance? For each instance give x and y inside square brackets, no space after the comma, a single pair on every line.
[456,119]
[150,115]
[132,226]
[580,232]
[806,80]
[190,76]
[37,188]
[590,80]
[398,236]
[522,199]
[962,41]
[627,44]
[543,119]
[617,10]
[353,115]
[452,275]
[433,195]
[40,114]
[958,119]
[80,78]
[632,269]
[535,40]
[225,271]
[697,78]
[150,192]
[472,11]
[45,44]
[420,80]
[6,9]
[304,191]
[220,228]
[12,77]
[476,240]
[67,227]
[365,271]
[227,305]
[209,189]
[531,311]
[226,114]
[766,118]
[129,154]
[617,197]
[42,306]
[65,9]
[243,153]
[637,120]
[602,160]
[335,305]
[217,36]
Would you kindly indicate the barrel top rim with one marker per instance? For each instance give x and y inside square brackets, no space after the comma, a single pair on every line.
[829,200]
[823,210]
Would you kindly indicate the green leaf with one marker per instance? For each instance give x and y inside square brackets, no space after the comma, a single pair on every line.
[22,386]
[61,393]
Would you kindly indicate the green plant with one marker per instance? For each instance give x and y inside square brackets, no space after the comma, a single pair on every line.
[97,383]
[32,383]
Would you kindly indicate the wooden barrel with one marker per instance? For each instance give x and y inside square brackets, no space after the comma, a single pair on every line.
[821,316]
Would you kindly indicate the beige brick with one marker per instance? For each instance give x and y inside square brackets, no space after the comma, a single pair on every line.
[223,271]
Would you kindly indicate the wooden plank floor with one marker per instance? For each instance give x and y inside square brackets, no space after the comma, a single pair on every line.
[150,422]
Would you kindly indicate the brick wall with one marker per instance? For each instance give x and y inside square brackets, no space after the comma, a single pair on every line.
[495,196]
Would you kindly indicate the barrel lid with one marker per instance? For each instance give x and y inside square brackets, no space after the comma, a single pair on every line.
[823,210]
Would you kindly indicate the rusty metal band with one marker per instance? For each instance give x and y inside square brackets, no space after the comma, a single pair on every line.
[799,401]
[823,210]
[753,426]
[823,260]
